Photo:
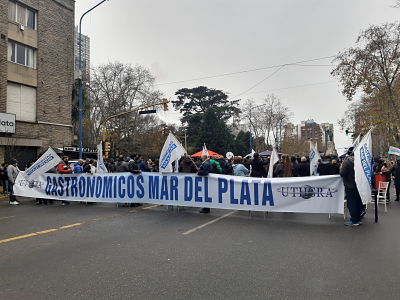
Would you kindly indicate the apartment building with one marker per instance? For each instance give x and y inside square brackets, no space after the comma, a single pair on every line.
[36,77]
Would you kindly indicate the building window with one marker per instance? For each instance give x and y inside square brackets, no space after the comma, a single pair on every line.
[22,14]
[21,54]
[21,101]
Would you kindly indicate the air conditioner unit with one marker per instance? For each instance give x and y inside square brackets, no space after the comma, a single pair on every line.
[21,27]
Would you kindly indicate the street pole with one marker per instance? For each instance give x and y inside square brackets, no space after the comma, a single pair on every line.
[185,141]
[81,79]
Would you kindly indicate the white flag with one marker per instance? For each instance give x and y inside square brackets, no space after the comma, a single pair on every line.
[356,141]
[251,155]
[101,167]
[314,157]
[205,151]
[394,151]
[363,167]
[48,160]
[273,160]
[172,150]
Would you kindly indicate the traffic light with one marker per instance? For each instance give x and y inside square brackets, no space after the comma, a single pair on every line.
[107,149]
[347,132]
[165,103]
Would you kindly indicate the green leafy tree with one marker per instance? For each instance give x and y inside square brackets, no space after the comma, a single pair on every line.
[205,114]
[241,144]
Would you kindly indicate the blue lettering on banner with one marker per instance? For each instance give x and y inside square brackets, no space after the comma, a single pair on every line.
[139,182]
[90,182]
[39,164]
[60,186]
[174,188]
[67,180]
[267,194]
[48,185]
[107,190]
[165,160]
[255,187]
[222,188]
[74,188]
[131,187]
[188,189]
[197,189]
[366,161]
[232,192]
[164,188]
[154,183]
[54,189]
[121,189]
[99,186]
[206,197]
[245,193]
[82,186]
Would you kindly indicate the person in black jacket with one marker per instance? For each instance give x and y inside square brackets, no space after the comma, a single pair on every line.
[257,167]
[354,202]
[304,167]
[396,178]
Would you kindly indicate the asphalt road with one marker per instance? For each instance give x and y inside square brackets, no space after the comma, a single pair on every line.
[155,253]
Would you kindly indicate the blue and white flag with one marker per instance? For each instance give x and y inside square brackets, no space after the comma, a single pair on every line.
[394,151]
[273,160]
[172,151]
[356,142]
[314,158]
[48,160]
[363,167]
[101,167]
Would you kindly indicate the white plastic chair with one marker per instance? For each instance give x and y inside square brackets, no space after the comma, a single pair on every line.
[382,192]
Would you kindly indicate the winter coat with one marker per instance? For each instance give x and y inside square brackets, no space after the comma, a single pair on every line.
[396,174]
[257,168]
[209,166]
[304,169]
[347,173]
[187,166]
[12,173]
[240,170]
[121,166]
[63,168]
[78,168]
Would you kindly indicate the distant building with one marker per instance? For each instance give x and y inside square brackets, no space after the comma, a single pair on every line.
[36,76]
[85,56]
[322,134]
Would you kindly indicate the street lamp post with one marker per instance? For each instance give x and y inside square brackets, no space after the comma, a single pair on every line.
[81,79]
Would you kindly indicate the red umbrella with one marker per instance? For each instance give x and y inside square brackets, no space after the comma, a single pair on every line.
[210,153]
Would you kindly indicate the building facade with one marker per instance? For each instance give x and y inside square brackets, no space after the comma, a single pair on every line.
[36,75]
[321,134]
[85,56]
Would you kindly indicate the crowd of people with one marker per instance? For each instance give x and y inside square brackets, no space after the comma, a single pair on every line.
[253,166]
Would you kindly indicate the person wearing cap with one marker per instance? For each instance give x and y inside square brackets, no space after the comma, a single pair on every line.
[12,173]
[396,178]
[64,168]
[354,202]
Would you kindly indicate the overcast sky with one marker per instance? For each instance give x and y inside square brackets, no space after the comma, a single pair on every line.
[185,39]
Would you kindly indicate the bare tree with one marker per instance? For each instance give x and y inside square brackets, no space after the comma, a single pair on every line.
[373,66]
[116,88]
[267,120]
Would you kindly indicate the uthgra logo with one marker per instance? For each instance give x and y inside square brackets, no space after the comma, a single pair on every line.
[167,156]
[307,192]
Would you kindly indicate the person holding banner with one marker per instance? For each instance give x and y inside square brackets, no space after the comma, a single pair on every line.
[64,168]
[354,202]
[396,178]
[12,173]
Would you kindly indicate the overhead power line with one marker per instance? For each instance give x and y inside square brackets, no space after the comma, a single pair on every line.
[298,63]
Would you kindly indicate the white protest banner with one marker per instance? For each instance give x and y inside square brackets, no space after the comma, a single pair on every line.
[101,167]
[356,141]
[273,160]
[48,160]
[314,158]
[172,150]
[363,167]
[394,151]
[322,194]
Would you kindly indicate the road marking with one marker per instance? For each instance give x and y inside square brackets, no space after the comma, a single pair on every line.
[208,223]
[3,218]
[19,237]
[70,226]
[150,207]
